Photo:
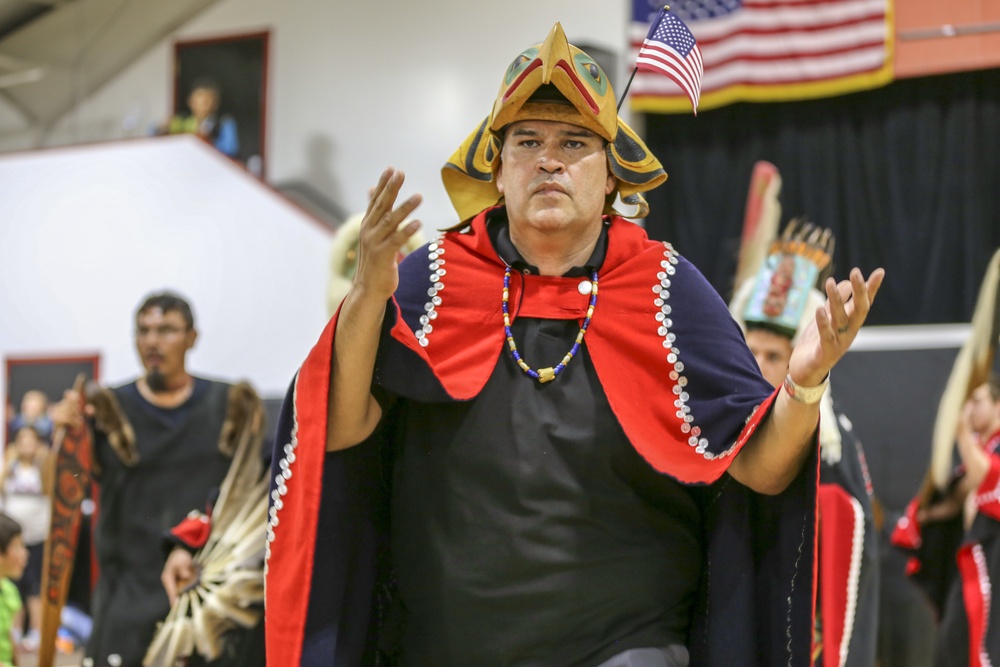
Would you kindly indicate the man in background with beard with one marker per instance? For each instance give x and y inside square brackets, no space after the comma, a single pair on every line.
[159,453]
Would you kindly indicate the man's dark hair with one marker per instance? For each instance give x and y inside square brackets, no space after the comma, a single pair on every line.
[205,83]
[9,529]
[168,301]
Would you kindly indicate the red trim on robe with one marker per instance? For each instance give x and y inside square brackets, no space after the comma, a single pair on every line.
[841,542]
[286,608]
[976,594]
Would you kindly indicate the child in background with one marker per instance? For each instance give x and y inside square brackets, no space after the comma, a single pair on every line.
[13,558]
[204,119]
[35,413]
[25,487]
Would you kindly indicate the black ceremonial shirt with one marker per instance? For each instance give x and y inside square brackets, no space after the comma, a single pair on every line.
[526,530]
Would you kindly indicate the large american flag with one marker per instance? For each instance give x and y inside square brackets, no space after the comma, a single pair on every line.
[771,50]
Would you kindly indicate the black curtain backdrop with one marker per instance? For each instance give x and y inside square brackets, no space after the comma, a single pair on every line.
[907,176]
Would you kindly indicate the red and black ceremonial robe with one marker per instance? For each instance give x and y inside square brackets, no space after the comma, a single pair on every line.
[678,376]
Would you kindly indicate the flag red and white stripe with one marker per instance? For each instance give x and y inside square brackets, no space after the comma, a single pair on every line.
[670,49]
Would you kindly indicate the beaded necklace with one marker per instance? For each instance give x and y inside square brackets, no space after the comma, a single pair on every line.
[544,375]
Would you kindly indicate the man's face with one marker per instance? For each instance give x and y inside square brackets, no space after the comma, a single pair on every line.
[772,352]
[162,340]
[985,412]
[553,175]
[202,102]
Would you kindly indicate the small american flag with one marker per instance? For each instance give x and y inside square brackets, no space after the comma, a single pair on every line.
[670,48]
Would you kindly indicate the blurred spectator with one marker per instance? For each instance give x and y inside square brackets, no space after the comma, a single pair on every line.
[161,443]
[34,413]
[25,487]
[952,538]
[13,557]
[204,120]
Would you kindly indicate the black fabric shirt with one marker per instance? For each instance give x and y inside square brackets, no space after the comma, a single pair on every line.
[179,463]
[526,529]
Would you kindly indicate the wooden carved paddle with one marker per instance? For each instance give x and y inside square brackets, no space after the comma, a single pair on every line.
[70,464]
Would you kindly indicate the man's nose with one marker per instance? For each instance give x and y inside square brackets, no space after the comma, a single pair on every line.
[550,163]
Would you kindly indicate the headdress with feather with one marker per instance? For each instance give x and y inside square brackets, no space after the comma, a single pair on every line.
[551,81]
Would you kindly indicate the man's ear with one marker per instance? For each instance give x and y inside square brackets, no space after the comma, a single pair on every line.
[498,177]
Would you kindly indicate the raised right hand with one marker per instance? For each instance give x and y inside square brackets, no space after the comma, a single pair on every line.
[381,237]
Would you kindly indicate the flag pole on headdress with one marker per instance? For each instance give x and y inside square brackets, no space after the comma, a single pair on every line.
[625,92]
[670,49]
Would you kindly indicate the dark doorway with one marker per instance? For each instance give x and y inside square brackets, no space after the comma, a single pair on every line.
[237,64]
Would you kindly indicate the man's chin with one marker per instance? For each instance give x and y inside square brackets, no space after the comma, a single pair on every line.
[156,380]
[552,216]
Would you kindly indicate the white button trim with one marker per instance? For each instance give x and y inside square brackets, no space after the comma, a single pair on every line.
[663,324]
[285,465]
[435,252]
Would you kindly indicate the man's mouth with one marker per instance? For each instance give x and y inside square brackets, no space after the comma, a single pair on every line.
[549,188]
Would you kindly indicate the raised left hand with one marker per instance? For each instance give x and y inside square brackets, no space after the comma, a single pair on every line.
[837,322]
